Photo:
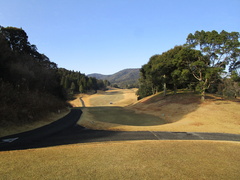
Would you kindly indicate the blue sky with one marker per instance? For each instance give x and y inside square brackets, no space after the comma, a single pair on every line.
[105,36]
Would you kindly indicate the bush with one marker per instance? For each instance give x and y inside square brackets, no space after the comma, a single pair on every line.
[228,88]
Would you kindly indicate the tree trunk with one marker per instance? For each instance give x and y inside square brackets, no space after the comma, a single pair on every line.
[203,95]
[175,89]
[153,90]
[164,86]
[164,89]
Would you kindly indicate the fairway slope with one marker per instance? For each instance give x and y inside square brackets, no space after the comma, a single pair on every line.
[182,112]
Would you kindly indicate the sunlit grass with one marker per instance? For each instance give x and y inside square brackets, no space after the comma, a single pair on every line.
[126,160]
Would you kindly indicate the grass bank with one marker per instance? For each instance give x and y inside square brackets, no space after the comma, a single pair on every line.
[183,112]
[9,129]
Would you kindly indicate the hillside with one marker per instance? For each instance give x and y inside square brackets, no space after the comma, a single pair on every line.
[122,78]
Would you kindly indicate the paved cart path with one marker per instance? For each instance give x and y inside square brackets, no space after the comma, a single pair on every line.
[66,131]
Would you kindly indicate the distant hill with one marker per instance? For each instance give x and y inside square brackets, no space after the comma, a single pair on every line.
[124,78]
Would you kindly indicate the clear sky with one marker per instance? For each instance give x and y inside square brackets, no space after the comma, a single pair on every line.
[105,36]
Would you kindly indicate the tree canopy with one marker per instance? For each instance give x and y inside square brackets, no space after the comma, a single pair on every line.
[168,70]
[198,64]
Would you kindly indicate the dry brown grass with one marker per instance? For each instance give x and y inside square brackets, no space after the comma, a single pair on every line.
[140,159]
[8,130]
[117,97]
[126,160]
[184,112]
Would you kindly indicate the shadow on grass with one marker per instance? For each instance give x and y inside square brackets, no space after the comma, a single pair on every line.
[114,93]
[61,132]
[123,116]
[72,135]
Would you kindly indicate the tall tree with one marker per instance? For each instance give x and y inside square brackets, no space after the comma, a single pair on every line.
[168,70]
[219,49]
[73,87]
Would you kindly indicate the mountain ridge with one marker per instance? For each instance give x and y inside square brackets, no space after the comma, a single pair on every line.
[123,78]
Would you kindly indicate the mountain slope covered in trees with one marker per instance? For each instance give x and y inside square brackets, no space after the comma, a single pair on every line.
[125,78]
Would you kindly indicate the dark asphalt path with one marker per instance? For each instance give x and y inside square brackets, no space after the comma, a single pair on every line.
[66,131]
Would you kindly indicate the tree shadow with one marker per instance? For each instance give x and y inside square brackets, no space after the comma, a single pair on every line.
[221,98]
[152,111]
[114,93]
[72,135]
[61,132]
[123,116]
[171,108]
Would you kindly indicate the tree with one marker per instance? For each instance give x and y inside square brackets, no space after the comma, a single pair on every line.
[170,70]
[197,65]
[66,82]
[219,50]
[73,87]
[161,71]
[235,76]
[147,78]
[146,87]
[81,90]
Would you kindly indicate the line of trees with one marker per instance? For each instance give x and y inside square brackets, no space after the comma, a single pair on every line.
[200,65]
[23,66]
[30,84]
[75,82]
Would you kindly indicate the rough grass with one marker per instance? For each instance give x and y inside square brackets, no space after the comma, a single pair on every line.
[126,160]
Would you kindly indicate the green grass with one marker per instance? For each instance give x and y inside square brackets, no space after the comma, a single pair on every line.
[119,115]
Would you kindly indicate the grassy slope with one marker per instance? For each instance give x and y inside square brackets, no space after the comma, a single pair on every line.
[126,160]
[8,130]
[184,112]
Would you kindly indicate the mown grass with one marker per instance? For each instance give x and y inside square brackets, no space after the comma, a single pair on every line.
[126,160]
[119,115]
